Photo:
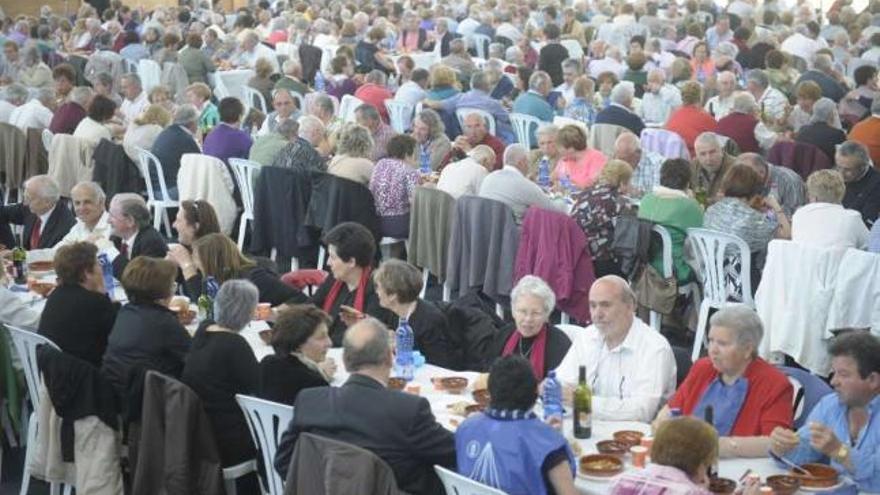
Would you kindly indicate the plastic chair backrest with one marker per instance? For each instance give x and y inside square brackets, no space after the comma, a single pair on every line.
[667,143]
[716,250]
[267,421]
[47,139]
[146,161]
[481,44]
[575,50]
[456,484]
[300,100]
[666,246]
[253,98]
[570,331]
[808,390]
[461,113]
[400,114]
[26,344]
[522,127]
[246,176]
[347,106]
[150,73]
[560,121]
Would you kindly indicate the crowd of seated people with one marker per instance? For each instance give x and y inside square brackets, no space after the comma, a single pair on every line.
[756,120]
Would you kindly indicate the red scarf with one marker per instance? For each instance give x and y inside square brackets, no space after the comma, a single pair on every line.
[536,356]
[359,296]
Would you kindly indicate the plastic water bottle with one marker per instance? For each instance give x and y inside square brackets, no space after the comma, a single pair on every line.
[206,300]
[565,181]
[107,271]
[552,397]
[424,160]
[404,362]
[544,172]
[320,84]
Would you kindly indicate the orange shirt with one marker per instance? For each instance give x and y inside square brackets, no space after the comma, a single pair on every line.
[867,132]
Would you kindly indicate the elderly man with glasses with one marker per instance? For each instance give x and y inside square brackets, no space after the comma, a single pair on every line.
[862,180]
[614,350]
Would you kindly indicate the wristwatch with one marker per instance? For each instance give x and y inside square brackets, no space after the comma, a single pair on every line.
[841,453]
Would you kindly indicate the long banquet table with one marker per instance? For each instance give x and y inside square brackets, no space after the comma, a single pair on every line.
[440,402]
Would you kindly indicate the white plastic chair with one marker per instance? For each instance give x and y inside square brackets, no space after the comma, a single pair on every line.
[481,44]
[400,114]
[715,250]
[560,121]
[522,127]
[47,139]
[232,473]
[158,204]
[656,319]
[130,66]
[26,344]
[347,106]
[251,96]
[150,73]
[575,50]
[246,172]
[456,484]
[267,421]
[461,113]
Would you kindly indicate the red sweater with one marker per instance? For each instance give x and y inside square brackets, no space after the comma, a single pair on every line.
[741,128]
[689,122]
[768,401]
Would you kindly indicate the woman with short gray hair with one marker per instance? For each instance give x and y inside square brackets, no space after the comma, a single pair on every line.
[533,337]
[221,364]
[824,222]
[748,396]
[354,146]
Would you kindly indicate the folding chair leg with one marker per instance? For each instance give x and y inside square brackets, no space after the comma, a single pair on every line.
[447,293]
[31,440]
[242,229]
[157,217]
[424,283]
[701,330]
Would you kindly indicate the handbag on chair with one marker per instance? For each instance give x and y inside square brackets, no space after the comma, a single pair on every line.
[655,292]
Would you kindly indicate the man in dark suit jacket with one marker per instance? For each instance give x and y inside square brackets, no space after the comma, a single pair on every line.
[618,112]
[172,143]
[396,426]
[45,218]
[133,234]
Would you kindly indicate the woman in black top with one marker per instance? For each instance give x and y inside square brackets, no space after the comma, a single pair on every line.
[348,293]
[146,335]
[216,255]
[222,364]
[195,219]
[398,285]
[368,54]
[78,315]
[301,339]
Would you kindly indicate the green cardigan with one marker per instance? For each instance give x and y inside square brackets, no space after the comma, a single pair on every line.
[677,214]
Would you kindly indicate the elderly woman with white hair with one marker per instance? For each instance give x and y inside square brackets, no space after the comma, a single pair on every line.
[824,221]
[748,396]
[221,364]
[34,73]
[533,337]
[824,128]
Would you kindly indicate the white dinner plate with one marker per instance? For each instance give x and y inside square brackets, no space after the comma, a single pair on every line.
[812,489]
[601,479]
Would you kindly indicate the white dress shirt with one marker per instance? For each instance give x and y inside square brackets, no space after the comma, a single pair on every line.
[829,225]
[606,64]
[410,93]
[31,114]
[99,236]
[462,177]
[802,46]
[132,109]
[92,130]
[656,108]
[6,110]
[629,382]
[719,107]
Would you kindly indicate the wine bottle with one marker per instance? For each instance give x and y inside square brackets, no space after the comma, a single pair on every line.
[583,406]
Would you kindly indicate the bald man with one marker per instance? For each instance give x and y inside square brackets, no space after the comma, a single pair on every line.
[398,427]
[630,367]
[645,164]
[464,177]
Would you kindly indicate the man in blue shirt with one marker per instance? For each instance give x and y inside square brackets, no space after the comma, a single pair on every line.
[534,102]
[844,427]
